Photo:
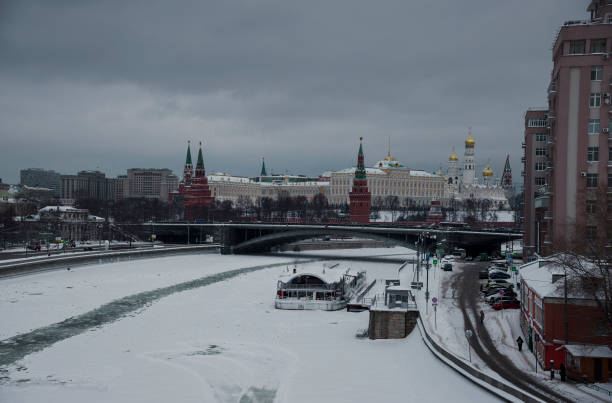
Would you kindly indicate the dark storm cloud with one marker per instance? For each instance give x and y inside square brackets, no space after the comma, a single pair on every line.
[117,84]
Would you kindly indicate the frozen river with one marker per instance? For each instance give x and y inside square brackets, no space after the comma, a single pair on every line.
[202,328]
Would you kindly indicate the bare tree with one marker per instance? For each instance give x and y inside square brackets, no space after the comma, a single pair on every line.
[585,252]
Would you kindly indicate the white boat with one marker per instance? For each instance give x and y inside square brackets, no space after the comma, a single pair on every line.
[327,289]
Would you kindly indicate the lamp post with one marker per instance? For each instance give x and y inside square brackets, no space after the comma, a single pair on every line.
[468,335]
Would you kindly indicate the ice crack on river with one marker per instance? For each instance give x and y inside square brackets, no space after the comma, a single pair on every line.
[17,347]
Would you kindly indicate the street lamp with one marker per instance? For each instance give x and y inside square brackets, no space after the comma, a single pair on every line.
[468,335]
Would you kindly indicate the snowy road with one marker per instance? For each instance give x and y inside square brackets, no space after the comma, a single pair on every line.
[174,329]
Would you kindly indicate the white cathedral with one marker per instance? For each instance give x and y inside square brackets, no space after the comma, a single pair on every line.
[462,184]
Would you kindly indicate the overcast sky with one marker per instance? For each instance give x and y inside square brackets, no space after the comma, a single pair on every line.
[112,85]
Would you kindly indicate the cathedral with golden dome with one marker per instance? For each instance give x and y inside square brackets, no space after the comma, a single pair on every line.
[463,183]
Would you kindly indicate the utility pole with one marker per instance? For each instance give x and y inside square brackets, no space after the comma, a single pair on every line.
[565,330]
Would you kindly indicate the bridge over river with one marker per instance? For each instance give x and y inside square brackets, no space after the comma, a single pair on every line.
[262,237]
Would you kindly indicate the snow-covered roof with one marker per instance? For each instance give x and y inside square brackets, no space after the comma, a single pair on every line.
[539,275]
[328,274]
[418,172]
[369,171]
[62,209]
[222,177]
[588,350]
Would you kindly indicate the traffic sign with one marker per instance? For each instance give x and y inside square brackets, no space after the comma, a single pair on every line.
[427,257]
[435,262]
[513,268]
[434,300]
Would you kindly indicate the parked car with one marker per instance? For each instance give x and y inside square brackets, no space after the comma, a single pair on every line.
[495,298]
[447,267]
[495,290]
[512,304]
[483,274]
[498,275]
[469,258]
[498,283]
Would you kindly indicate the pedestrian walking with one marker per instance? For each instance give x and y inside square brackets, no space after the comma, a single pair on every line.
[552,370]
[519,341]
[562,372]
[481,317]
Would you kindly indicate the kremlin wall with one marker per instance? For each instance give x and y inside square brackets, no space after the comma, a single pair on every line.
[388,177]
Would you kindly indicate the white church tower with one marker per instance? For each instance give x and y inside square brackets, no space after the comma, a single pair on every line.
[469,170]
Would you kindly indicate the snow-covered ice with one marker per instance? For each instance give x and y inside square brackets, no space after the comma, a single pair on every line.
[223,342]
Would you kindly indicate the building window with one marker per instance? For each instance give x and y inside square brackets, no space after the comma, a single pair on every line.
[593,154]
[610,180]
[596,73]
[591,232]
[598,46]
[594,127]
[609,153]
[577,47]
[541,122]
[541,137]
[590,206]
[540,166]
[595,100]
[540,181]
[540,152]
[591,181]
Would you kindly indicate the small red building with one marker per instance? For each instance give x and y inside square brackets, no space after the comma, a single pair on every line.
[551,322]
[360,198]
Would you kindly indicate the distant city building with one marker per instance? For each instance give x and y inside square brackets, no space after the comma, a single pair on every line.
[535,165]
[360,199]
[87,184]
[388,178]
[41,178]
[147,183]
[71,223]
[577,151]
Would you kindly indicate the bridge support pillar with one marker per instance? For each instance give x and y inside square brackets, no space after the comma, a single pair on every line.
[227,238]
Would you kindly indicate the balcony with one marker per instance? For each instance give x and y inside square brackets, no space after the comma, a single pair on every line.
[552,87]
[522,173]
[523,145]
[523,160]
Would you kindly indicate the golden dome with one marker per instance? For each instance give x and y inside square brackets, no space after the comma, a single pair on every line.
[453,157]
[487,171]
[470,142]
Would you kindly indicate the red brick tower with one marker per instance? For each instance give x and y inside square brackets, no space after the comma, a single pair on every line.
[360,198]
[197,196]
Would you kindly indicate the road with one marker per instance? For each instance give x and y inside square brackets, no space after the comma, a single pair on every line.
[94,247]
[467,284]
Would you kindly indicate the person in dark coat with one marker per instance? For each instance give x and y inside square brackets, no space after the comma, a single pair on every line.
[519,341]
[562,372]
[481,317]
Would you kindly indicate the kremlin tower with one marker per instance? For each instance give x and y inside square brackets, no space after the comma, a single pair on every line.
[360,198]
[469,170]
[506,180]
[193,190]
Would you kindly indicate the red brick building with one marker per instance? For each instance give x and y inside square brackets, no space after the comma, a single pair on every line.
[360,198]
[549,323]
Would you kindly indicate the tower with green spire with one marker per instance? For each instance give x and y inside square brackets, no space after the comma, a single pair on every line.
[263,168]
[188,170]
[360,198]
[200,171]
